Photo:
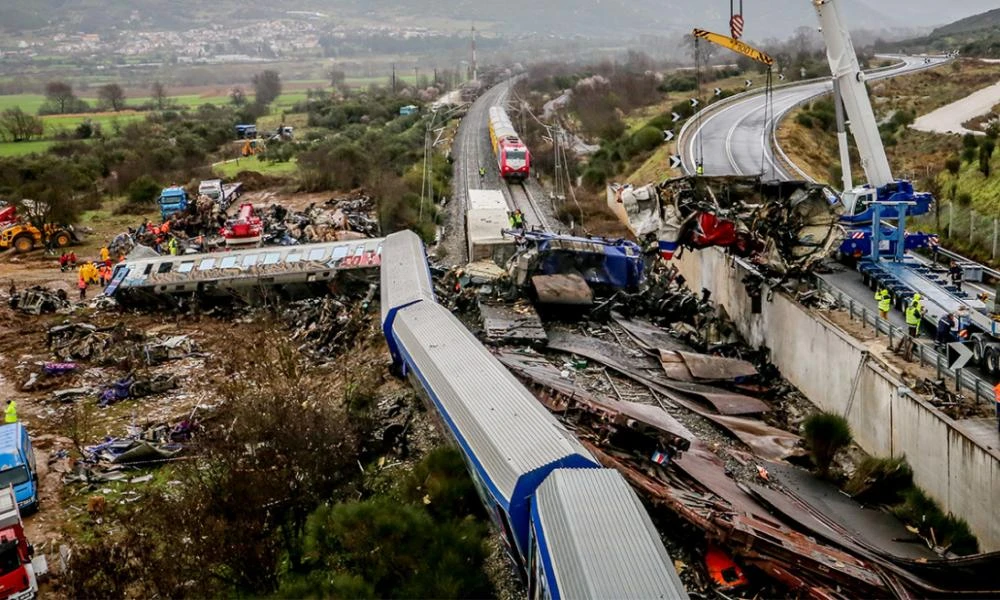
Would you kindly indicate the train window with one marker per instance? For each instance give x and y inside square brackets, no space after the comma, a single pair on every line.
[148,269]
[249,260]
[206,264]
[228,262]
[293,258]
[164,267]
[339,252]
[516,154]
[186,266]
[271,258]
[317,253]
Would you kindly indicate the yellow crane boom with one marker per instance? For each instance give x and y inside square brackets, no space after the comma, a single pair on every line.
[735,46]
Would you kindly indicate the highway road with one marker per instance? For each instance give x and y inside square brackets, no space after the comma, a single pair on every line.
[735,139]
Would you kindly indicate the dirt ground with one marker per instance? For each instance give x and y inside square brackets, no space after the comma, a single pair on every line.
[59,428]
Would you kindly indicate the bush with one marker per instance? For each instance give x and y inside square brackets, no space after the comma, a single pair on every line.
[646,139]
[953,166]
[804,120]
[826,434]
[144,190]
[922,512]
[880,480]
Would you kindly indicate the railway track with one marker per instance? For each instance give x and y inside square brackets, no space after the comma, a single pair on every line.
[520,198]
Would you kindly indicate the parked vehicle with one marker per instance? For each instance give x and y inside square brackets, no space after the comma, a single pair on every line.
[18,568]
[17,465]
[222,193]
[172,199]
[24,237]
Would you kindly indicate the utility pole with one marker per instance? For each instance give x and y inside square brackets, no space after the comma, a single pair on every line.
[475,75]
[393,79]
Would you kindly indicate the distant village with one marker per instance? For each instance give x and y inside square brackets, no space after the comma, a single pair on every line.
[298,35]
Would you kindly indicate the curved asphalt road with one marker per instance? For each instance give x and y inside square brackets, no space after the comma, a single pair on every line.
[735,139]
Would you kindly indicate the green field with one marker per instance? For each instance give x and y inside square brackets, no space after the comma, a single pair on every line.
[229,170]
[21,148]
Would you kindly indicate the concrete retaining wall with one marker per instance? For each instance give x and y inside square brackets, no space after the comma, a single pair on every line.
[822,361]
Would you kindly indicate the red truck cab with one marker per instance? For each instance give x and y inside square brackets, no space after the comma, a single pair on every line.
[17,571]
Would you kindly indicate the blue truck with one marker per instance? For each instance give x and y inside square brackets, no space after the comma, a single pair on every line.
[17,465]
[172,199]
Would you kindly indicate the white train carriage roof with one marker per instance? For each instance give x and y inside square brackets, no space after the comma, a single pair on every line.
[405,277]
[250,264]
[487,200]
[494,417]
[598,540]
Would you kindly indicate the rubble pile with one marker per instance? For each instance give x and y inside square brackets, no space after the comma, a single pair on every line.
[115,345]
[139,447]
[325,326]
[37,300]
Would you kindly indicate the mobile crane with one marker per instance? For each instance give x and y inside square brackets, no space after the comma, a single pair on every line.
[885,197]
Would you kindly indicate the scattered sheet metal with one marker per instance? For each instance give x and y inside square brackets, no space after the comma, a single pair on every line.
[737,521]
[569,289]
[821,510]
[725,402]
[766,441]
[649,336]
[514,322]
[705,366]
[662,433]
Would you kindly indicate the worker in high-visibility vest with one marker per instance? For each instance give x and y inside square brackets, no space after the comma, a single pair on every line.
[884,302]
[996,398]
[914,313]
[10,413]
[699,169]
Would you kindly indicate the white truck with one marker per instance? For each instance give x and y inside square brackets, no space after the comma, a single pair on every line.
[222,193]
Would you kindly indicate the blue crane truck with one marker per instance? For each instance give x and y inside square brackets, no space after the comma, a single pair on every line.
[172,199]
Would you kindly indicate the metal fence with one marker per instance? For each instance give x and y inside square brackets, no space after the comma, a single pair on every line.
[926,354]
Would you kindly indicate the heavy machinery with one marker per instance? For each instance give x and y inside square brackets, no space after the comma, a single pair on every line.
[172,199]
[221,193]
[246,229]
[8,215]
[19,568]
[24,237]
[564,269]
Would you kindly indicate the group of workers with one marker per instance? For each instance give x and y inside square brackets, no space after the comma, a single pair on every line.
[947,326]
[91,272]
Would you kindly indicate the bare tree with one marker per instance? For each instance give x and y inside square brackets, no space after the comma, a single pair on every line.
[18,126]
[111,96]
[158,93]
[266,87]
[337,77]
[237,96]
[60,94]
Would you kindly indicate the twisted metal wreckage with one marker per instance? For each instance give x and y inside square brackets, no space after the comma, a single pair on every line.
[785,228]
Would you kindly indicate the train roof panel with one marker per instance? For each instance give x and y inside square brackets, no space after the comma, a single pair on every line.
[405,276]
[487,199]
[493,416]
[598,540]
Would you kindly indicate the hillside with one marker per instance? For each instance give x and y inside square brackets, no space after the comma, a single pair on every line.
[978,36]
[614,18]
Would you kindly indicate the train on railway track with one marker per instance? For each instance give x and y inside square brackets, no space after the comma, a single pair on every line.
[512,156]
[573,528]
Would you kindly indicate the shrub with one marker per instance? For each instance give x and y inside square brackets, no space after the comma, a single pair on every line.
[646,139]
[949,531]
[143,190]
[826,434]
[881,480]
[804,120]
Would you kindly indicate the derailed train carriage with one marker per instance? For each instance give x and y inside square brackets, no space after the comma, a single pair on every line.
[285,271]
[573,528]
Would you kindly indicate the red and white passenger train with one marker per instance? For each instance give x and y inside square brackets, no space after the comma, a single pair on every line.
[513,158]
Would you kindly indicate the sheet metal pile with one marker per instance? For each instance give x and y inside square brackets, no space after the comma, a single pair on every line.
[638,380]
[784,227]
